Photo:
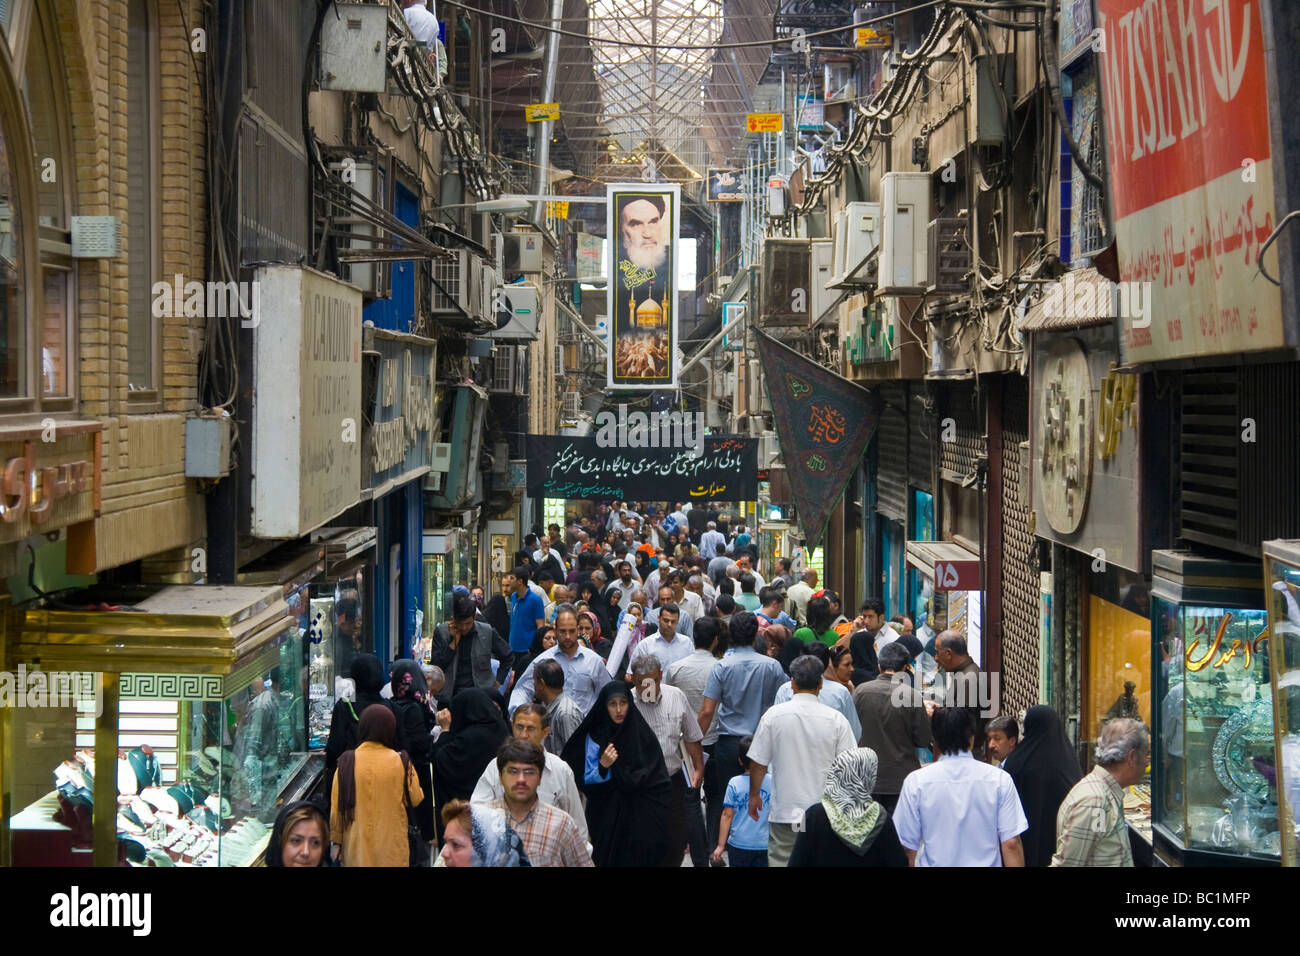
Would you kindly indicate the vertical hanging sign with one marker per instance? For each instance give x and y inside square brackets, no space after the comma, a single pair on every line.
[642,288]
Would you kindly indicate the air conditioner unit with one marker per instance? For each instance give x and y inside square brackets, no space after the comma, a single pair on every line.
[489,282]
[769,450]
[861,241]
[509,370]
[822,261]
[950,255]
[992,71]
[453,286]
[571,406]
[787,273]
[587,353]
[522,254]
[369,176]
[905,214]
[559,360]
[515,308]
[838,236]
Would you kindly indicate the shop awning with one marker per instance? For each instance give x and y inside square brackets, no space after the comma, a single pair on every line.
[186,629]
[1037,318]
[923,554]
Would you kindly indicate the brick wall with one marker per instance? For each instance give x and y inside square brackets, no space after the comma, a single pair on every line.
[148,505]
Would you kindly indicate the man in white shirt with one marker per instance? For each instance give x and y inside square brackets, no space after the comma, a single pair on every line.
[532,722]
[423,24]
[712,543]
[669,715]
[625,582]
[800,593]
[799,739]
[691,676]
[668,646]
[746,565]
[691,604]
[959,811]
[545,552]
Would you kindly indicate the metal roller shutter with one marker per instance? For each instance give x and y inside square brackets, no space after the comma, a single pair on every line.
[891,453]
[1019,573]
[957,458]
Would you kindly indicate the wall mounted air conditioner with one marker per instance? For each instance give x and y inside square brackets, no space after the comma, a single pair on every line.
[861,242]
[822,262]
[509,370]
[571,406]
[905,216]
[455,281]
[522,254]
[839,237]
[515,310]
[787,293]
[369,175]
[769,450]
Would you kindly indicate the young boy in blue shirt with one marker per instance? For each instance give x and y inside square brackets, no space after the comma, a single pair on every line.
[743,837]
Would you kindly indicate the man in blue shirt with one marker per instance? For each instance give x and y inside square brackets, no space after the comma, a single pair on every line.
[740,690]
[527,612]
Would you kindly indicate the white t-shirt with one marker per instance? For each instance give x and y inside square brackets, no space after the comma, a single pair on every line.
[886,635]
[423,24]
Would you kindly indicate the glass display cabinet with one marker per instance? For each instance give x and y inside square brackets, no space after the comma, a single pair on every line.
[1214,777]
[1282,576]
[178,729]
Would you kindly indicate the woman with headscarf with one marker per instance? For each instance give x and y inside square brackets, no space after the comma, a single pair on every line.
[543,640]
[619,766]
[371,793]
[775,635]
[589,631]
[410,696]
[848,828]
[479,835]
[644,566]
[367,676]
[470,740]
[300,836]
[1044,767]
[792,648]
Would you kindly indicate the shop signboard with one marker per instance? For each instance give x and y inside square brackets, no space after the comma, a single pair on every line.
[538,112]
[642,288]
[725,185]
[765,122]
[1190,176]
[400,442]
[1085,445]
[306,401]
[957,575]
[723,468]
[591,254]
[49,477]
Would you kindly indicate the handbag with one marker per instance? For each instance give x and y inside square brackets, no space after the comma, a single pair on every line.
[417,850]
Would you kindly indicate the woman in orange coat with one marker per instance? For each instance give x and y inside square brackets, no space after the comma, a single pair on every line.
[368,798]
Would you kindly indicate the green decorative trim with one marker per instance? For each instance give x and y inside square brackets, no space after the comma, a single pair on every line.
[170,687]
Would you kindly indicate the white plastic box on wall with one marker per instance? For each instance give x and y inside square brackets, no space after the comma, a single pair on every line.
[904,243]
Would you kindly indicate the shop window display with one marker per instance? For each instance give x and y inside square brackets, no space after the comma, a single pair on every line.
[1216,777]
[202,762]
[336,634]
[1284,649]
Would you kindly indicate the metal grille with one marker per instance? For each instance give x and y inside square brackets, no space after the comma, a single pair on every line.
[1266,462]
[891,454]
[920,426]
[272,196]
[503,369]
[1019,575]
[957,457]
[447,274]
[276,44]
[1209,440]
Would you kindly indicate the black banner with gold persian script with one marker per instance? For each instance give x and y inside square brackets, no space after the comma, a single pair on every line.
[562,467]
[823,422]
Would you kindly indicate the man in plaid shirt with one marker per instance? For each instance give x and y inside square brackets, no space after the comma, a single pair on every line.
[548,834]
[1090,826]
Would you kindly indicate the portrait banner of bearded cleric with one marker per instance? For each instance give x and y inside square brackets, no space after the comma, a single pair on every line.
[642,289]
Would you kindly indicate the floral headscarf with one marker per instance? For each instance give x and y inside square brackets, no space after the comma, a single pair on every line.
[854,816]
[494,842]
[408,681]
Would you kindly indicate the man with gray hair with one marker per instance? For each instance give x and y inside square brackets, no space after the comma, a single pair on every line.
[1090,826]
[799,738]
[963,688]
[667,711]
[712,541]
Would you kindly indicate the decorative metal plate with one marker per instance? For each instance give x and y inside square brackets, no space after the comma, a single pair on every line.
[1238,739]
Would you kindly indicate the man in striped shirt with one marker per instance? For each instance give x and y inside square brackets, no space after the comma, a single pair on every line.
[1090,826]
[549,835]
[669,715]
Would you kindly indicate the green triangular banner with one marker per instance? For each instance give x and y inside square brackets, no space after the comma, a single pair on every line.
[823,422]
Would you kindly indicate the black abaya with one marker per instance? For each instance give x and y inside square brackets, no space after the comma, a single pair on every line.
[627,816]
[460,755]
[1044,767]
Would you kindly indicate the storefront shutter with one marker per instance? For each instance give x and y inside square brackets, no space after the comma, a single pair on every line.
[1019,571]
[891,453]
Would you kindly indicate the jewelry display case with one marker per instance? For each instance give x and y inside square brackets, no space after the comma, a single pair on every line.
[1214,795]
[196,699]
[1282,575]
